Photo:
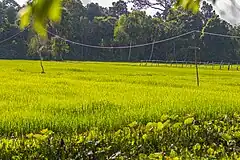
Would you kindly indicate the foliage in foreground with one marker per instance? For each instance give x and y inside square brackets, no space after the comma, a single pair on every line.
[173,137]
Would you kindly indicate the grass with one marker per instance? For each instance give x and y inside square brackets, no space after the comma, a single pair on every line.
[76,96]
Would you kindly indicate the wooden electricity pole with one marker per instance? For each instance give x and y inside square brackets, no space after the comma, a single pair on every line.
[197,75]
[150,58]
[196,63]
[195,48]
[130,51]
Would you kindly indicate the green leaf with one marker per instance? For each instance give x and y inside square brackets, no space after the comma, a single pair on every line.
[80,139]
[150,126]
[167,123]
[237,135]
[188,121]
[195,8]
[155,156]
[177,125]
[44,131]
[133,124]
[54,12]
[192,5]
[144,137]
[40,137]
[39,27]
[210,151]
[173,153]
[197,147]
[174,117]
[226,137]
[25,15]
[41,11]
[164,117]
[160,126]
[142,156]
[29,135]
[133,142]
[196,128]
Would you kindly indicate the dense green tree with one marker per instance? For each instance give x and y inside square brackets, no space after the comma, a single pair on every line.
[94,10]
[118,8]
[16,46]
[163,6]
[58,48]
[134,28]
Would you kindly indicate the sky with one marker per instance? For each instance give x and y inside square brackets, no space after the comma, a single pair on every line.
[227,11]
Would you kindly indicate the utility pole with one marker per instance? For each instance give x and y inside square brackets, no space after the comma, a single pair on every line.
[196,63]
[174,51]
[150,58]
[195,48]
[130,50]
[197,75]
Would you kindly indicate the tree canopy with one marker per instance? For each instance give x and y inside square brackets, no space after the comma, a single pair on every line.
[43,10]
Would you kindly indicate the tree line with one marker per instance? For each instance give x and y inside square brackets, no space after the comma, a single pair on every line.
[117,26]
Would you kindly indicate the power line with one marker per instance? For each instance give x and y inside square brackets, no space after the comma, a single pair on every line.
[13,36]
[142,45]
[220,35]
[127,47]
[120,47]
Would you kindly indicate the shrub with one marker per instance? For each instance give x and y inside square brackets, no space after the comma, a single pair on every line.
[171,138]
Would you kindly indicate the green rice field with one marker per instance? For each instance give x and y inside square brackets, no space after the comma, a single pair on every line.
[76,96]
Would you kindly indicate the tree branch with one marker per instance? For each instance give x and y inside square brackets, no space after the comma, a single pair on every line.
[160,5]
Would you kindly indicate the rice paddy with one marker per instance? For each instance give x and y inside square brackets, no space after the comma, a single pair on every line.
[76,96]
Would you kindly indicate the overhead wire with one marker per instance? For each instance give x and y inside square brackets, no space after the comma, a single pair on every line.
[141,45]
[220,35]
[13,36]
[120,47]
[127,46]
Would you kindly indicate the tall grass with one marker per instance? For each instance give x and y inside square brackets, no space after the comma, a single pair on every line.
[75,96]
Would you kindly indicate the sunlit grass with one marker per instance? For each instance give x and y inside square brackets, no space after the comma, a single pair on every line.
[75,96]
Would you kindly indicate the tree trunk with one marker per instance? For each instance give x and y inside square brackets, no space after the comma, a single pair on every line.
[61,57]
[41,64]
